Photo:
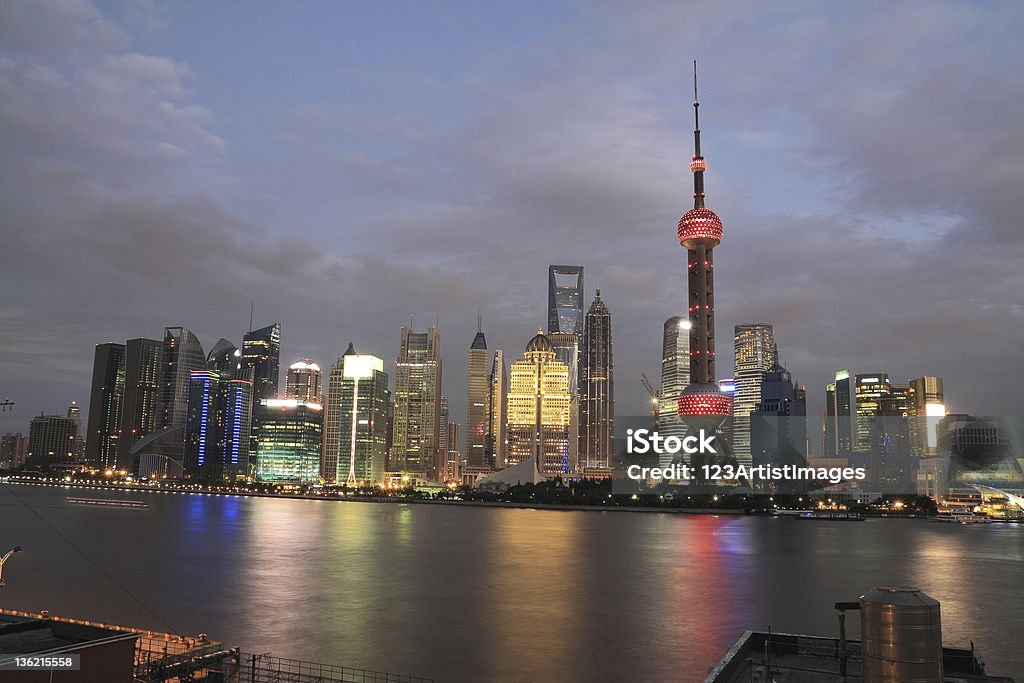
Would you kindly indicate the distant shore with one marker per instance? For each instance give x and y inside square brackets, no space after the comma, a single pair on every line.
[380,499]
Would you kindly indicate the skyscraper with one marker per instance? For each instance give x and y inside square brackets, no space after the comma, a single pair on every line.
[597,397]
[51,438]
[182,354]
[496,412]
[566,346]
[261,353]
[13,450]
[105,399]
[565,299]
[141,412]
[478,389]
[675,376]
[288,449]
[838,425]
[453,460]
[927,407]
[869,391]
[219,421]
[304,382]
[355,420]
[755,356]
[417,423]
[702,404]
[778,425]
[539,408]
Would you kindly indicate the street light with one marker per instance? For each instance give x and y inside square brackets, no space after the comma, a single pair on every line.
[7,556]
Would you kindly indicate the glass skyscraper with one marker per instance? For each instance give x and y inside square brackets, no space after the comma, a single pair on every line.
[140,408]
[565,299]
[478,390]
[539,409]
[417,421]
[597,397]
[288,448]
[105,399]
[355,420]
[755,356]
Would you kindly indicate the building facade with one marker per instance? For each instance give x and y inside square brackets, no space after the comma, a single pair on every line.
[927,407]
[13,450]
[597,389]
[289,445]
[141,412]
[417,421]
[51,438]
[869,390]
[565,299]
[755,356]
[304,382]
[497,439]
[539,409]
[105,404]
[355,420]
[478,390]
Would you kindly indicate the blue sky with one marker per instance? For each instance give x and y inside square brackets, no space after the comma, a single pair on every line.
[348,165]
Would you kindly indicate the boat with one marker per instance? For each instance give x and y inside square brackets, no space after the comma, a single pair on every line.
[961,516]
[832,515]
[104,502]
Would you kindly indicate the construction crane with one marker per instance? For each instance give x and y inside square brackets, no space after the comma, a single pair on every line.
[654,396]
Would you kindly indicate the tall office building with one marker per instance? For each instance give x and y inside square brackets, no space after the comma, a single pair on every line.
[141,412]
[442,437]
[288,449]
[218,424]
[105,399]
[889,443]
[51,438]
[478,390]
[869,389]
[927,407]
[597,391]
[565,299]
[755,356]
[417,424]
[13,451]
[453,460]
[261,351]
[355,420]
[675,376]
[304,382]
[496,413]
[182,354]
[539,409]
[778,425]
[224,358]
[261,354]
[566,346]
[702,404]
[837,427]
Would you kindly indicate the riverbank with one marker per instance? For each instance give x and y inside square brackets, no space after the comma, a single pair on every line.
[374,499]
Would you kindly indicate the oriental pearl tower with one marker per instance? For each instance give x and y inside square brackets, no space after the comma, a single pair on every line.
[701,405]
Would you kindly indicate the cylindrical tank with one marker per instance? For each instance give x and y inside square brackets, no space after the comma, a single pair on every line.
[901,637]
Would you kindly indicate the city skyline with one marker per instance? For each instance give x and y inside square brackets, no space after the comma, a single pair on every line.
[874,284]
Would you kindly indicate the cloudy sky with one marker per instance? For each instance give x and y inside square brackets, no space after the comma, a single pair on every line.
[347,165]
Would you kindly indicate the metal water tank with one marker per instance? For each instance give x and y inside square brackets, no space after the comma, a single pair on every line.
[901,637]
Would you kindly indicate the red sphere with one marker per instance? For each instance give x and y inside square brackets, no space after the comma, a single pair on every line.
[699,224]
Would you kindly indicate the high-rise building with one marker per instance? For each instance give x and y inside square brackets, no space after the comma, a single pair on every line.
[566,346]
[837,427]
[224,358]
[304,382]
[105,399]
[478,390]
[288,449]
[182,354]
[869,389]
[355,420]
[675,376]
[51,438]
[538,409]
[755,356]
[702,404]
[889,443]
[13,451]
[778,424]
[261,353]
[565,299]
[496,412]
[453,460]
[141,411]
[597,397]
[442,437]
[417,424]
[75,413]
[927,407]
[218,425]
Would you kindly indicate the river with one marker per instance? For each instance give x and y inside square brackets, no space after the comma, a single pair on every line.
[492,594]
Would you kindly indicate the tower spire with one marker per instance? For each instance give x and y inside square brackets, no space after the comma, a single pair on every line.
[697,164]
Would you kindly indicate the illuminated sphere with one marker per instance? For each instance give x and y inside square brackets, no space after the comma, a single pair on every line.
[700,225]
[703,400]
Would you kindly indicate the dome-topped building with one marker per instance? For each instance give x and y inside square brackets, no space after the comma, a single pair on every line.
[540,342]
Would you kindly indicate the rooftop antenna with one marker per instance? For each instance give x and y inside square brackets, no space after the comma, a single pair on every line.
[410,322]
[698,165]
[479,319]
[252,309]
